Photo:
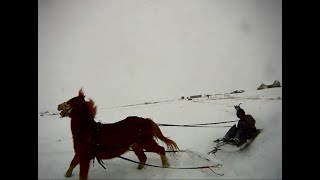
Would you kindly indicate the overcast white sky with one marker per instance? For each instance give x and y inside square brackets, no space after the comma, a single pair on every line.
[133,51]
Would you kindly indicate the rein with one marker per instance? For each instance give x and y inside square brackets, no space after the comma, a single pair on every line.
[198,125]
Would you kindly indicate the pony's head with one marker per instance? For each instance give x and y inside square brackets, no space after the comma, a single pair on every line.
[75,104]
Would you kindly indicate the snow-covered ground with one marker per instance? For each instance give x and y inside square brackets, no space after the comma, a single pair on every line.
[262,160]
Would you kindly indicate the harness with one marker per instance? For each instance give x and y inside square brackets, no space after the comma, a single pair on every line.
[95,145]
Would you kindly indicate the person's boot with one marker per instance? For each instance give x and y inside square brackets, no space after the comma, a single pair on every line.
[234,141]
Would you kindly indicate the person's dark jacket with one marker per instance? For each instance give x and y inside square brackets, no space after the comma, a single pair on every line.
[247,125]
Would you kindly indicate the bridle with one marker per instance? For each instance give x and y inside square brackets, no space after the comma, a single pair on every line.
[66,109]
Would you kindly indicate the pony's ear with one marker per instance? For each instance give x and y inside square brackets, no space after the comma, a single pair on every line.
[81,92]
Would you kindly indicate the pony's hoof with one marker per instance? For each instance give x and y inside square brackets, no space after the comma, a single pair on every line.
[140,167]
[166,165]
[68,174]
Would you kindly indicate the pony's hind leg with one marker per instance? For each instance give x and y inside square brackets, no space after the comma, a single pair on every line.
[164,160]
[141,155]
[152,146]
[73,164]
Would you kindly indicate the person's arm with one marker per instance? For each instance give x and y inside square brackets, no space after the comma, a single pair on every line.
[241,124]
[250,120]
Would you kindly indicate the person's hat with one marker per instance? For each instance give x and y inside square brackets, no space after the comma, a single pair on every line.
[240,111]
[237,107]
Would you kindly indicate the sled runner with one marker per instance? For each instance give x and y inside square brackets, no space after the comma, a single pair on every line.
[230,146]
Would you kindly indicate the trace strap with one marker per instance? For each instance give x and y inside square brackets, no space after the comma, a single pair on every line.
[100,162]
[199,167]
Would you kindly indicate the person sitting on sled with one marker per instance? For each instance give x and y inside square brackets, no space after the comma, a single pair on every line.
[244,130]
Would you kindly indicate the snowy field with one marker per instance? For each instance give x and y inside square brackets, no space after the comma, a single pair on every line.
[261,160]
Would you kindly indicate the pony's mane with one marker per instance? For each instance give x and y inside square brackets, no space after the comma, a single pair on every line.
[92,108]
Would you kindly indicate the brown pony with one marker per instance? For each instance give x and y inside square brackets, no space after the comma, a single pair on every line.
[105,141]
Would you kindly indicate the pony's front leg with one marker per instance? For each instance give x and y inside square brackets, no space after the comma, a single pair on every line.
[73,164]
[84,168]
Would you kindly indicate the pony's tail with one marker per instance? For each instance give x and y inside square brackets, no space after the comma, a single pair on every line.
[171,145]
